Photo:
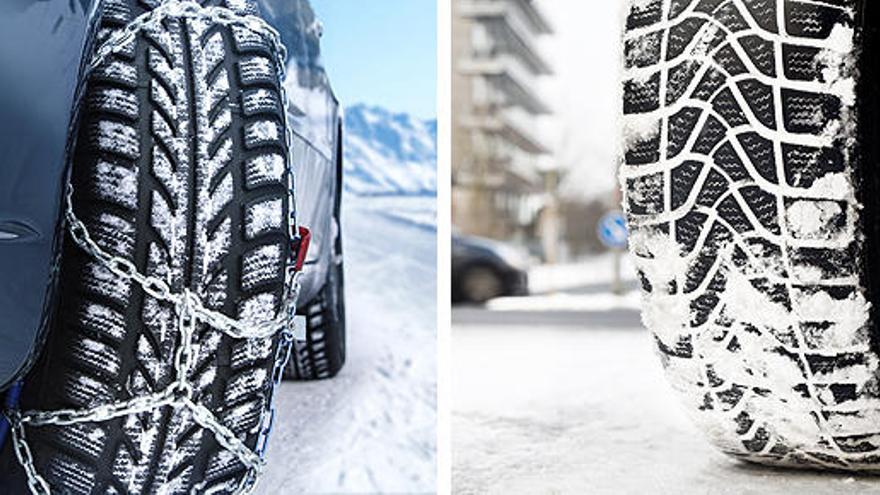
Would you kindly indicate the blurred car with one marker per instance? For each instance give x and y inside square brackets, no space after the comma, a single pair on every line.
[483,269]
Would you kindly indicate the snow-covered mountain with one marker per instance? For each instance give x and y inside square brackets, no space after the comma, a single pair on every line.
[389,153]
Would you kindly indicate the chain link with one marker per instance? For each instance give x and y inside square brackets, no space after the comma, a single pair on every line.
[36,483]
[190,310]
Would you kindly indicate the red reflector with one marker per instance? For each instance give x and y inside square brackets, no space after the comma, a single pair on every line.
[305,238]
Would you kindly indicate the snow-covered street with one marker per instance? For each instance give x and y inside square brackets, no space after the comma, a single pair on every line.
[371,429]
[563,400]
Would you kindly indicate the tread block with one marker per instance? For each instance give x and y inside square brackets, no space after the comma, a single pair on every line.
[256,70]
[263,170]
[262,133]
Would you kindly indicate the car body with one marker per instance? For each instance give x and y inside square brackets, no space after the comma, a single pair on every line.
[483,268]
[316,119]
[41,48]
[41,45]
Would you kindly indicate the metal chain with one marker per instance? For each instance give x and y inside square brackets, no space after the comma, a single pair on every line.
[190,310]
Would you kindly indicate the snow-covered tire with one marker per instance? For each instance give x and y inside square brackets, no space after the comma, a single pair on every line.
[322,354]
[743,188]
[180,166]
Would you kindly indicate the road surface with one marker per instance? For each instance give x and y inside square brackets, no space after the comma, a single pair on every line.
[372,428]
[559,402]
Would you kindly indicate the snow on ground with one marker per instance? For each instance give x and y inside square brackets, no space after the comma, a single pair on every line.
[372,429]
[562,301]
[578,286]
[589,271]
[420,211]
[580,405]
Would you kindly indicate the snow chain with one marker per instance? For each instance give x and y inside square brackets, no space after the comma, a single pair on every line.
[190,310]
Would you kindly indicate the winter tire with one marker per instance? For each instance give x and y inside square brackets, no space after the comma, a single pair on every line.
[181,167]
[322,353]
[752,211]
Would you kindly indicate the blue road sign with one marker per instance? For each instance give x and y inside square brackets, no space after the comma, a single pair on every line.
[612,230]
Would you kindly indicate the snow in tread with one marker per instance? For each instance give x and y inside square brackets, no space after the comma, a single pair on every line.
[738,170]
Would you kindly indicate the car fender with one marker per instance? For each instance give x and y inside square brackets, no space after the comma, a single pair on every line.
[41,47]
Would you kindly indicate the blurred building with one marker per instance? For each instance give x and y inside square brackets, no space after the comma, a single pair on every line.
[498,187]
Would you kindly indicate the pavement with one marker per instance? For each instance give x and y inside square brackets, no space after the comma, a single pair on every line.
[574,401]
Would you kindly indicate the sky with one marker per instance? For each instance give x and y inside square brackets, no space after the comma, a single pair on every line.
[584,92]
[382,52]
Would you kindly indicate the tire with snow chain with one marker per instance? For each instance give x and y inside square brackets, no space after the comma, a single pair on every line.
[322,353]
[181,167]
[752,208]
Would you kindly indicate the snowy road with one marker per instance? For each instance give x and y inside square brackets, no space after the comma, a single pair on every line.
[560,402]
[372,428]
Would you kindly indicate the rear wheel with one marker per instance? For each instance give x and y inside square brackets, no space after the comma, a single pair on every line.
[181,168]
[742,183]
[480,283]
[321,353]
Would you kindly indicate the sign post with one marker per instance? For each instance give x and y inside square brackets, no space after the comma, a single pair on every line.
[614,235]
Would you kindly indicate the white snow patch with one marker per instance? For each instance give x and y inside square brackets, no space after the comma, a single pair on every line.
[567,302]
[257,309]
[96,435]
[98,313]
[645,190]
[263,217]
[658,256]
[116,183]
[265,168]
[260,98]
[812,219]
[115,137]
[747,305]
[838,63]
[262,131]
[639,128]
[820,306]
[589,271]
[833,186]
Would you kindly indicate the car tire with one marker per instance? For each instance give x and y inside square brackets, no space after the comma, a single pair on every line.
[180,167]
[480,283]
[743,189]
[321,354]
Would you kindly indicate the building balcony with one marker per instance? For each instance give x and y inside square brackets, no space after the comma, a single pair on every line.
[526,10]
[510,30]
[515,176]
[512,126]
[507,76]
